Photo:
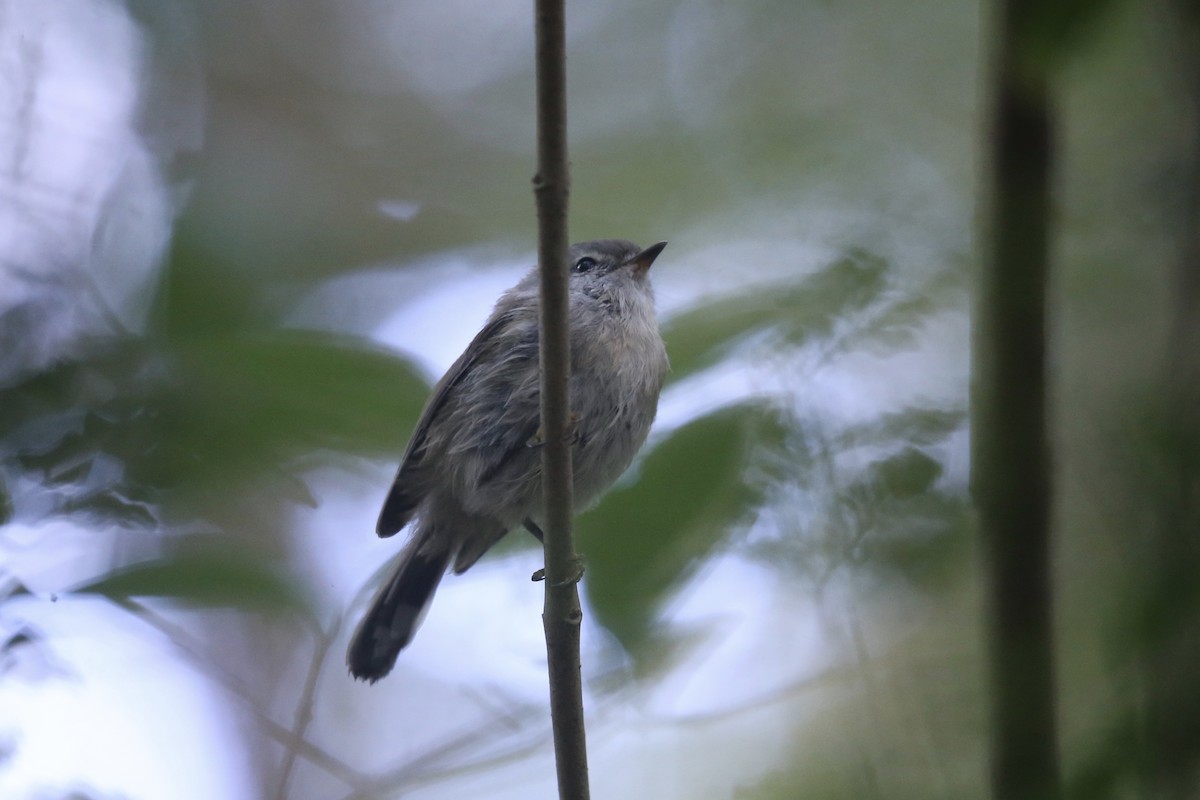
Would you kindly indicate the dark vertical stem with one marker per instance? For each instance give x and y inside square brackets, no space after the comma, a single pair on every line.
[561,615]
[1011,469]
[1173,611]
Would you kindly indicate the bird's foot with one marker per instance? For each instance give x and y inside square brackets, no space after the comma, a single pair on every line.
[574,575]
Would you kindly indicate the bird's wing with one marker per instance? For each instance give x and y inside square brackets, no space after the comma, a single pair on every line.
[409,488]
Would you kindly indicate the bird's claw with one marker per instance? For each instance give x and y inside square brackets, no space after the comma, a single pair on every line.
[575,575]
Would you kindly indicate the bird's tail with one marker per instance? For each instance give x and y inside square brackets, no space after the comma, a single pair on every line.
[397,610]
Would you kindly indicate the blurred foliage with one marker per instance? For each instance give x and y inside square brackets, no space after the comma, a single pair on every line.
[649,536]
[207,571]
[155,431]
[808,309]
[1050,32]
[713,476]
[131,421]
[891,514]
[855,303]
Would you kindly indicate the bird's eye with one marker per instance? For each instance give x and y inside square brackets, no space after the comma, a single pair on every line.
[584,264]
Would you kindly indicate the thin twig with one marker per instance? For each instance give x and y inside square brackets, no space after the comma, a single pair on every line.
[322,641]
[437,763]
[561,616]
[183,641]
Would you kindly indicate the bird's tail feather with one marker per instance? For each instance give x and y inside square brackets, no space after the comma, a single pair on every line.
[396,611]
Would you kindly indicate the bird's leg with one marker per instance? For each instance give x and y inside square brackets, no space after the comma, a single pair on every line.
[540,575]
[533,528]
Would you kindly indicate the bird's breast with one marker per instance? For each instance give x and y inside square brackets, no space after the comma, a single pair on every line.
[617,373]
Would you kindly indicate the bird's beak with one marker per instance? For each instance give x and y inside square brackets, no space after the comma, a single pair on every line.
[642,261]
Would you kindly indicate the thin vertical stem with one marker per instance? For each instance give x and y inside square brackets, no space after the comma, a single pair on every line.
[1011,464]
[322,641]
[561,615]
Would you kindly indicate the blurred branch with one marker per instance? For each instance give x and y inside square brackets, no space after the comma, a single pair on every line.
[438,762]
[183,640]
[323,640]
[1011,477]
[561,616]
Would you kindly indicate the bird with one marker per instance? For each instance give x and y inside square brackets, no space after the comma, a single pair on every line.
[472,469]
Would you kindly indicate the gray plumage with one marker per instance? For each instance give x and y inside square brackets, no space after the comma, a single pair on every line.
[472,470]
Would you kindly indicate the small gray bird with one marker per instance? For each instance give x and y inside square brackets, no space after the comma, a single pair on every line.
[473,468]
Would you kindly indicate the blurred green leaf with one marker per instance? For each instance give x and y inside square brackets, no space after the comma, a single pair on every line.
[1052,30]
[923,541]
[908,473]
[807,309]
[258,398]
[202,294]
[130,420]
[229,578]
[647,537]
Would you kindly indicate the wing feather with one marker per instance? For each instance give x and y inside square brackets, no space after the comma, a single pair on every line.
[411,484]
